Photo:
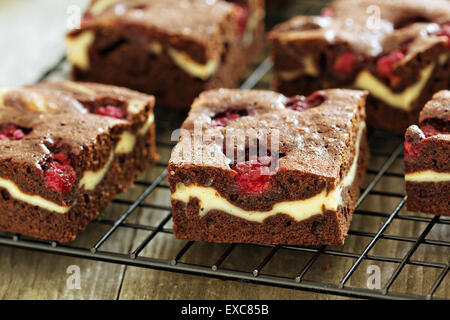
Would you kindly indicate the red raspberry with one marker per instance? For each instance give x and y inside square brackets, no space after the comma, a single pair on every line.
[385,65]
[59,177]
[345,62]
[62,158]
[300,103]
[445,31]
[253,176]
[242,13]
[327,12]
[110,111]
[11,131]
[18,134]
[429,131]
[413,149]
[87,17]
[8,130]
[221,120]
[404,46]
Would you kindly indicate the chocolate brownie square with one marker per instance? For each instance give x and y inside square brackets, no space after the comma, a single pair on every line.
[173,49]
[427,158]
[66,150]
[397,50]
[258,167]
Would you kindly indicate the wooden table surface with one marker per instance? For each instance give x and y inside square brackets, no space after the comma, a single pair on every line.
[26,274]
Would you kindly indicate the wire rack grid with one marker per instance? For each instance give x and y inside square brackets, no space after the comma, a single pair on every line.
[410,250]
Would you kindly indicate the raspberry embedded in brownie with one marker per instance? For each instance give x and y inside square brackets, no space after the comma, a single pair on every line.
[345,62]
[59,177]
[13,132]
[110,111]
[430,130]
[327,12]
[445,31]
[254,176]
[300,103]
[385,64]
[242,13]
[413,148]
[223,118]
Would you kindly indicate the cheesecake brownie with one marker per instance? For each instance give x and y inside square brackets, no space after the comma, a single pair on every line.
[427,158]
[66,149]
[397,50]
[259,167]
[173,49]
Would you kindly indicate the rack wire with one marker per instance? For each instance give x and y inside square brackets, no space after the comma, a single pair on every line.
[382,231]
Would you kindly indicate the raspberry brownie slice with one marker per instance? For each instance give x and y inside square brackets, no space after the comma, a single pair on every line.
[427,154]
[258,167]
[397,50]
[66,149]
[153,45]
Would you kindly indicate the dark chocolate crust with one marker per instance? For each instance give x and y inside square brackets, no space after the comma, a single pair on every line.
[61,119]
[120,56]
[402,28]
[329,132]
[428,197]
[216,226]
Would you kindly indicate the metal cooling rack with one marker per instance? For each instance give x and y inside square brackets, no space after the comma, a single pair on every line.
[380,206]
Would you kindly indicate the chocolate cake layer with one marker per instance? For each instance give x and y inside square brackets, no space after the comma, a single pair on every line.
[429,197]
[396,50]
[66,149]
[187,46]
[312,147]
[427,154]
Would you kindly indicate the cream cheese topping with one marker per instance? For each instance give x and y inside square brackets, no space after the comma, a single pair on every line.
[366,80]
[252,24]
[136,106]
[100,6]
[79,87]
[78,49]
[155,47]
[195,69]
[443,58]
[3,92]
[298,35]
[91,178]
[402,100]
[78,55]
[427,176]
[33,200]
[309,68]
[126,144]
[299,210]
[147,124]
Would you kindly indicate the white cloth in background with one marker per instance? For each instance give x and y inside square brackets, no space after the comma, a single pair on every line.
[32,37]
